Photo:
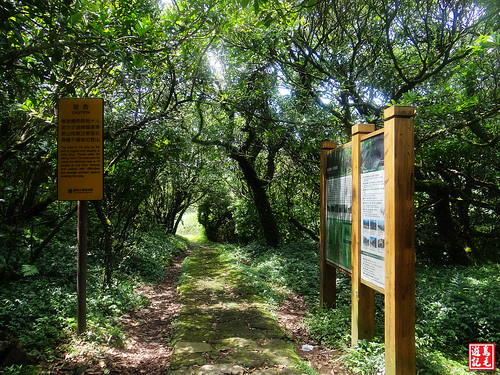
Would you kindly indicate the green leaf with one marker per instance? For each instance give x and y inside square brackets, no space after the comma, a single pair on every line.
[138,60]
[76,18]
[256,6]
[29,270]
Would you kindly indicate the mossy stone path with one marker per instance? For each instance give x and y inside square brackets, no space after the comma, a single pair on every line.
[224,328]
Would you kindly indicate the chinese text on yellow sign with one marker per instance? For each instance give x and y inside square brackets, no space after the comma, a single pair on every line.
[80,149]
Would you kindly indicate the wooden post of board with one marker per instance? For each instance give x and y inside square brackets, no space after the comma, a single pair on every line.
[81,270]
[327,274]
[362,296]
[399,241]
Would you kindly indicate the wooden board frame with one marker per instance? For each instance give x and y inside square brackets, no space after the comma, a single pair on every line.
[328,277]
[362,297]
[399,241]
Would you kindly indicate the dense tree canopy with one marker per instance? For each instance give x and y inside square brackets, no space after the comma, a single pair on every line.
[231,99]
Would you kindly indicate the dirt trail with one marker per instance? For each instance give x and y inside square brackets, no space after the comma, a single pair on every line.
[147,332]
[208,322]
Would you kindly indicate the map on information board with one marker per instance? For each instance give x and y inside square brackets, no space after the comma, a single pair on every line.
[338,207]
[373,211]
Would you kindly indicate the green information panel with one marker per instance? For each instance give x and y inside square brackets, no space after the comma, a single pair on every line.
[338,207]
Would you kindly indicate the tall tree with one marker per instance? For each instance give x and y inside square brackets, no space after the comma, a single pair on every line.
[242,123]
[350,59]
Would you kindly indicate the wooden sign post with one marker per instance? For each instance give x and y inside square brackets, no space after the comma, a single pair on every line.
[382,235]
[80,161]
[362,296]
[81,268]
[399,241]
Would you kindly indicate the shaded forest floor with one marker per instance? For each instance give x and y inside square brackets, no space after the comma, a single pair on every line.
[204,318]
[148,331]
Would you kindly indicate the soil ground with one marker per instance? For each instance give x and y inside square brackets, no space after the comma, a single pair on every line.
[208,322]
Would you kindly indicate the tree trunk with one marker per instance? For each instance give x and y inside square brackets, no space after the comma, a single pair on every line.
[455,245]
[267,220]
[179,218]
[108,244]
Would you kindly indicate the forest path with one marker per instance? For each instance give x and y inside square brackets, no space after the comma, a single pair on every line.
[224,328]
[204,318]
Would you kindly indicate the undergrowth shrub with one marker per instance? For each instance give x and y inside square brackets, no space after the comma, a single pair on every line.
[275,271]
[330,327]
[147,258]
[246,220]
[39,309]
[455,306]
[367,358]
[216,216]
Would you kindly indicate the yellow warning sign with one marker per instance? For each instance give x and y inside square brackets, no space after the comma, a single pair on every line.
[80,149]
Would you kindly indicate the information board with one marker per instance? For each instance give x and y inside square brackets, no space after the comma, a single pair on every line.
[380,220]
[372,211]
[338,207]
[80,149]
